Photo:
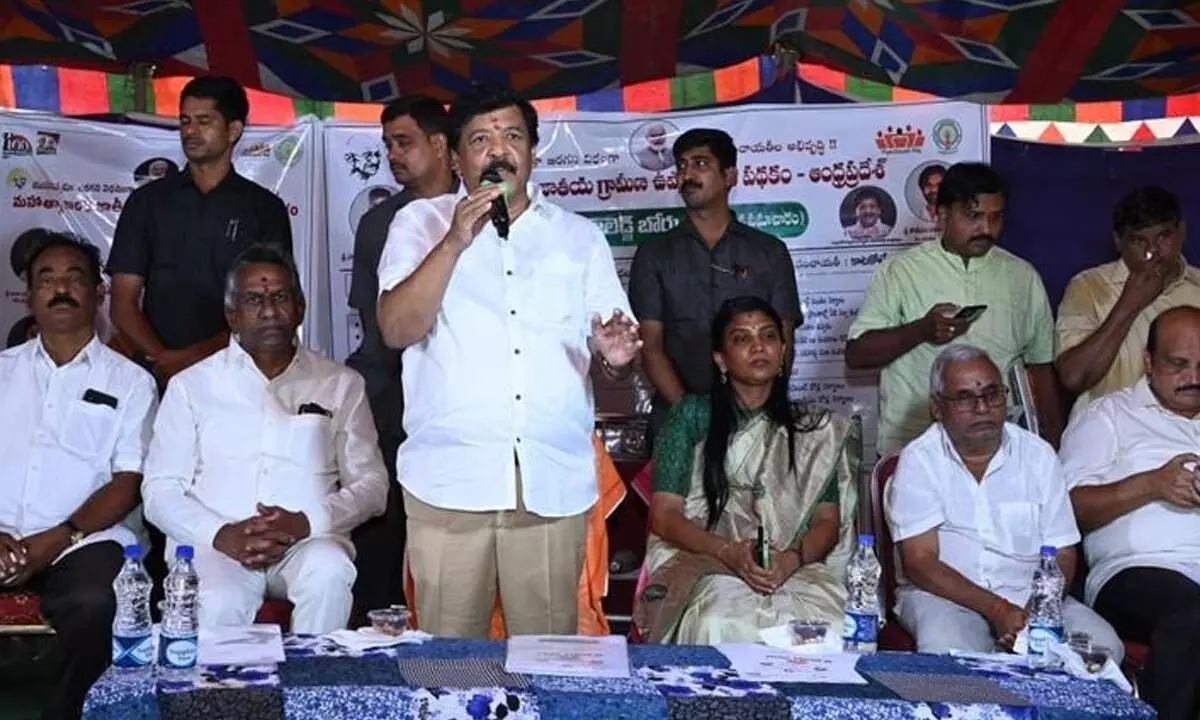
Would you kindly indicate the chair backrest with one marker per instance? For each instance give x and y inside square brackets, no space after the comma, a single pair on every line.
[880,476]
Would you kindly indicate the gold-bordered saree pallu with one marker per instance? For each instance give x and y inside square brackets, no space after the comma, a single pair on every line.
[695,599]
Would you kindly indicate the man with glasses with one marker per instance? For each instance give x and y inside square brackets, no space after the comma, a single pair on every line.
[973,501]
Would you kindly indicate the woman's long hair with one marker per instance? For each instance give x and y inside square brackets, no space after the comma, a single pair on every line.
[724,416]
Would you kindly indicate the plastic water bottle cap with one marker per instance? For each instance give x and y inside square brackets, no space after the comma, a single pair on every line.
[184,552]
[1049,550]
[133,551]
[866,539]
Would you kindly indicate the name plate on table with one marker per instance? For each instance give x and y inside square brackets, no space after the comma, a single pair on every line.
[600,656]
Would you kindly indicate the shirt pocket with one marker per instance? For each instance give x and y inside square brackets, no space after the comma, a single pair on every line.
[310,443]
[89,432]
[557,293]
[1019,528]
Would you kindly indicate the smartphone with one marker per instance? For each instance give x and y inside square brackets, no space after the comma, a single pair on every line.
[970,313]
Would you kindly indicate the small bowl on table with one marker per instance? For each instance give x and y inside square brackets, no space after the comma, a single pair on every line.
[390,620]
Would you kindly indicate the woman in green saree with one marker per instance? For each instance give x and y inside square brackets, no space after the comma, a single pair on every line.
[726,464]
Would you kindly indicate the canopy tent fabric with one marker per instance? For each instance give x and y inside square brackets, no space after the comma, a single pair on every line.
[1016,51]
[1139,121]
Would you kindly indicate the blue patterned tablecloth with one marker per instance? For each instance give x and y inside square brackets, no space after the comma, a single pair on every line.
[466,679]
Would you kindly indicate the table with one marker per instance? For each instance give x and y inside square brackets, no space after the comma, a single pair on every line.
[466,679]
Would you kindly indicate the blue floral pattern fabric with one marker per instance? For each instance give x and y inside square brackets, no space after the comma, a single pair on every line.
[322,681]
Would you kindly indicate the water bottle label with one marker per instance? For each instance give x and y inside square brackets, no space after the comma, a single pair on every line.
[177,652]
[860,628]
[131,651]
[1040,636]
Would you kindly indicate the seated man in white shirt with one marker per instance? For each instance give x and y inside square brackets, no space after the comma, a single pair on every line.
[973,501]
[77,420]
[264,458]
[1131,463]
[501,325]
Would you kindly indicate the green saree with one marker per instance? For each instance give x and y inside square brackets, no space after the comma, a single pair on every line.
[694,598]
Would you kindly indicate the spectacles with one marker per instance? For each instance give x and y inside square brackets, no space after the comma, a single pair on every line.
[963,402]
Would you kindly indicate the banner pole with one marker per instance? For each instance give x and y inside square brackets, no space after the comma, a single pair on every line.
[143,76]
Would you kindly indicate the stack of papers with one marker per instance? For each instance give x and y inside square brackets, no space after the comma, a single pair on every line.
[252,645]
[366,638]
[571,655]
[768,664]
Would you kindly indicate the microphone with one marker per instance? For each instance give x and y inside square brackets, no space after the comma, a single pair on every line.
[499,212]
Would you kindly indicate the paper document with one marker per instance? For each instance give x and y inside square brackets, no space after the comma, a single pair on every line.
[250,645]
[573,655]
[769,664]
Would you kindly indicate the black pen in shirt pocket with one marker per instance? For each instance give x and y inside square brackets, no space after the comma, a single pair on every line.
[231,229]
[314,409]
[95,397]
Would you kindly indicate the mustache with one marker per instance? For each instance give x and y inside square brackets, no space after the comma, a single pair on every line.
[1187,388]
[690,185]
[983,238]
[63,300]
[500,164]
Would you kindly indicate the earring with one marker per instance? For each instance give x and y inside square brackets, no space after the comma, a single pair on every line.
[724,376]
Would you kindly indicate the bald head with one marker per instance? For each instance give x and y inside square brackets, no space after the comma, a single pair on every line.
[1173,359]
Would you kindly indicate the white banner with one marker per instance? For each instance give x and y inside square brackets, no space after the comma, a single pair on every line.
[840,185]
[76,175]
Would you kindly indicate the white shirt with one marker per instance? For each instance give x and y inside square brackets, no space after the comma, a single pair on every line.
[67,430]
[505,366]
[226,439]
[1119,435]
[990,531]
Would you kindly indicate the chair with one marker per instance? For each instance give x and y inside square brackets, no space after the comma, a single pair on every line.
[643,485]
[892,636]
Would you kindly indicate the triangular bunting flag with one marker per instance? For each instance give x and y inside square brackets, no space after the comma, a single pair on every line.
[1005,131]
[1187,128]
[1097,136]
[1051,134]
[1143,134]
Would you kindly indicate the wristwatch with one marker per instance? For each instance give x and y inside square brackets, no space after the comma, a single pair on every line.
[77,535]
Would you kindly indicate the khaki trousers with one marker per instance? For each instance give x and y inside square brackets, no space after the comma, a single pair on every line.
[459,560]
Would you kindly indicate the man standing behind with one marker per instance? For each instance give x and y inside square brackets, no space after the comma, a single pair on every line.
[264,459]
[1106,311]
[678,281]
[178,236]
[911,304]
[77,423]
[500,330]
[414,132]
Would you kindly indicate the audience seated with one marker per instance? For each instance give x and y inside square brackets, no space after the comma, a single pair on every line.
[77,423]
[264,458]
[1131,461]
[973,501]
[729,463]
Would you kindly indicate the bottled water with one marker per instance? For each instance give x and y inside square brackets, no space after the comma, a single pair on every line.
[860,630]
[177,645]
[131,646]
[1045,605]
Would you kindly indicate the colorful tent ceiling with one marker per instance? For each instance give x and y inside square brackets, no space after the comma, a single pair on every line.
[85,92]
[370,50]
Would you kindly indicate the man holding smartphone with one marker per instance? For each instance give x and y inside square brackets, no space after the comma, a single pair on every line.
[962,288]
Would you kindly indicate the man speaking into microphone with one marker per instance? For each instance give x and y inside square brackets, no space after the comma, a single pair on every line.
[502,301]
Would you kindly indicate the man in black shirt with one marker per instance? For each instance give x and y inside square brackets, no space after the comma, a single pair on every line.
[414,132]
[178,235]
[678,281]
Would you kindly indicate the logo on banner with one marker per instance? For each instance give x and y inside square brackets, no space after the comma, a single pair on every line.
[14,145]
[288,151]
[258,149]
[650,145]
[47,143]
[18,178]
[896,140]
[947,135]
[363,158]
